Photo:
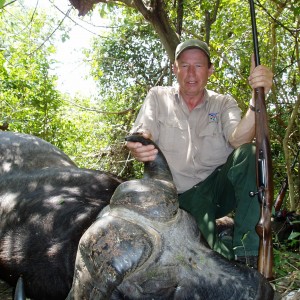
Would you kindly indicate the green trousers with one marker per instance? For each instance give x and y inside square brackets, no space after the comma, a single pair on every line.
[226,190]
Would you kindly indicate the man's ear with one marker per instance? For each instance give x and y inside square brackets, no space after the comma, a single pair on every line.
[211,70]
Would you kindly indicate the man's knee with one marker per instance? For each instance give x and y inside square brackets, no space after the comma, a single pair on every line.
[246,151]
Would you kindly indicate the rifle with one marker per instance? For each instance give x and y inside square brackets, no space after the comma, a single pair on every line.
[263,170]
[284,185]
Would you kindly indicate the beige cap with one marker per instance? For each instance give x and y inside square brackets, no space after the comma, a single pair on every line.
[190,44]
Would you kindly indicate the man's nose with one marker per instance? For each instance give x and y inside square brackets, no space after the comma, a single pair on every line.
[191,70]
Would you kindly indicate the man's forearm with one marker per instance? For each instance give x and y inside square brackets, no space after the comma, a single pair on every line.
[245,131]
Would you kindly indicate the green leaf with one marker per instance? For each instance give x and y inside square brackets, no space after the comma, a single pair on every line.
[294,235]
[2,3]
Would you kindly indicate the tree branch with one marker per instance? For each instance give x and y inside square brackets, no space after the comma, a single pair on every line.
[179,17]
[154,12]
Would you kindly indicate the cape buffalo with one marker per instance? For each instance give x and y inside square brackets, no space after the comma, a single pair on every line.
[140,246]
[46,204]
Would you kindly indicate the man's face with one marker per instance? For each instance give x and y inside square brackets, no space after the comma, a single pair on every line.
[192,71]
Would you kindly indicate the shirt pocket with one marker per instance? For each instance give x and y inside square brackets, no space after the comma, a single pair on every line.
[173,134]
[213,146]
[211,130]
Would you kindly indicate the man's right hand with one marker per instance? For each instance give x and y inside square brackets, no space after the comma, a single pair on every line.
[140,152]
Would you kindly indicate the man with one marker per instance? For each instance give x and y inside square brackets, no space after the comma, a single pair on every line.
[208,148]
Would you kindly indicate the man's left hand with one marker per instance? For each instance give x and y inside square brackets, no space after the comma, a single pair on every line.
[260,76]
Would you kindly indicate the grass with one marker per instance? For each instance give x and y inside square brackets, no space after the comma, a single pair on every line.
[286,268]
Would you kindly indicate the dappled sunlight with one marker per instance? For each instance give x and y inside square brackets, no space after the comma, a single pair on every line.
[13,245]
[8,202]
[6,167]
[30,154]
[54,249]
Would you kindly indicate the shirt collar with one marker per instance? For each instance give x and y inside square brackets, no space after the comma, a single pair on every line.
[205,97]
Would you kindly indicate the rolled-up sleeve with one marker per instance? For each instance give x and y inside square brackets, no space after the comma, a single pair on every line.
[147,118]
[230,116]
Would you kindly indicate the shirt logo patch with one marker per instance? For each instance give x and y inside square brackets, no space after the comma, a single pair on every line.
[213,117]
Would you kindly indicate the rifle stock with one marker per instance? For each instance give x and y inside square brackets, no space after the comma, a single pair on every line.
[265,186]
[264,177]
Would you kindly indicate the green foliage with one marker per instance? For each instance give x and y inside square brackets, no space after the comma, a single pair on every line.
[105,11]
[125,65]
[2,2]
[286,270]
[286,254]
[131,55]
[29,99]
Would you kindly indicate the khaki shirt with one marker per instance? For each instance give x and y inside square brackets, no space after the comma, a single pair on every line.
[194,142]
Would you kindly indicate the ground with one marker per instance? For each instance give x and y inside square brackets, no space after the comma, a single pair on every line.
[5,291]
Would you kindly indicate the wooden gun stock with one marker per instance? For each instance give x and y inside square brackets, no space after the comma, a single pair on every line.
[264,177]
[265,186]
